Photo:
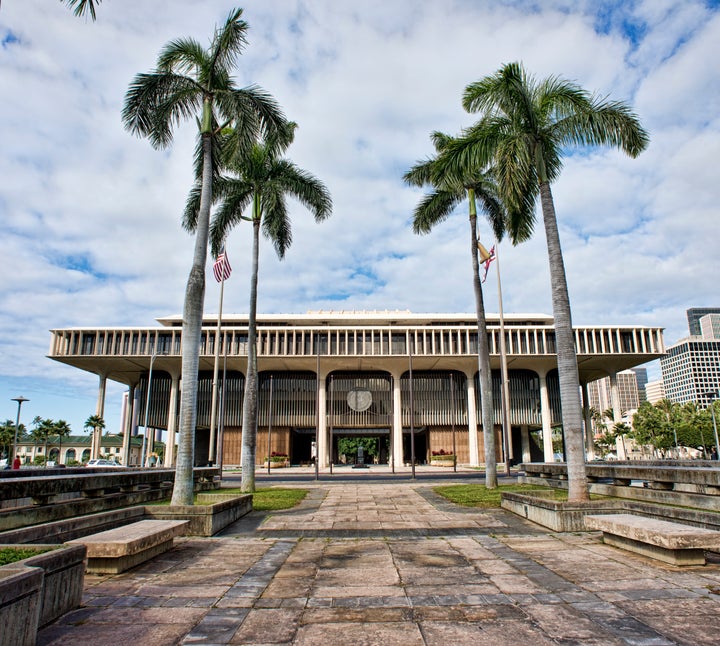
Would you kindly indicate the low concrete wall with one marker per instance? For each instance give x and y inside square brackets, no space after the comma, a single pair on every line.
[39,589]
[558,516]
[205,519]
[43,499]
[63,583]
[69,529]
[20,595]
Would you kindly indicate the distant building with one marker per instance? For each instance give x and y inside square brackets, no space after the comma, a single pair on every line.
[600,393]
[710,326]
[694,314]
[655,391]
[642,380]
[75,449]
[691,370]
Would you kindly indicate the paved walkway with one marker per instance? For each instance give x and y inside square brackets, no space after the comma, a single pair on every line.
[365,563]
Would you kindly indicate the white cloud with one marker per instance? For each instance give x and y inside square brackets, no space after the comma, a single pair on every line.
[90,215]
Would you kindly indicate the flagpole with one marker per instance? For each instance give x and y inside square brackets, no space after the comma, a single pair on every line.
[221,270]
[504,390]
[216,369]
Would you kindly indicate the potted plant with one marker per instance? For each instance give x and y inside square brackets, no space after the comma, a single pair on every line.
[278,460]
[442,458]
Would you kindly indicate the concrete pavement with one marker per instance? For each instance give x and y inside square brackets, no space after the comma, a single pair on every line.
[367,560]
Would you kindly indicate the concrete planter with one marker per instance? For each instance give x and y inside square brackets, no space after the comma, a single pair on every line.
[442,463]
[556,515]
[205,519]
[276,465]
[20,603]
[37,590]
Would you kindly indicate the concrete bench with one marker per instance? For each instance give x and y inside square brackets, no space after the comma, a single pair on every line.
[669,542]
[122,548]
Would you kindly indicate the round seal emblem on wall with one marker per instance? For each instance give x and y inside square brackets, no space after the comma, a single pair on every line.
[359,400]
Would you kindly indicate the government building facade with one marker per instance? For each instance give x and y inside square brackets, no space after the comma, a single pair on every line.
[408,380]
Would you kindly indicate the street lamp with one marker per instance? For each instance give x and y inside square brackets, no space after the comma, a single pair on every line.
[19,401]
[714,395]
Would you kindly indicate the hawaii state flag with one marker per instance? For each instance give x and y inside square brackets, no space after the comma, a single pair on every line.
[221,267]
[486,257]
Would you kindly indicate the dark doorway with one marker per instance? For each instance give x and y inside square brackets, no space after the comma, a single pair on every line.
[420,446]
[301,445]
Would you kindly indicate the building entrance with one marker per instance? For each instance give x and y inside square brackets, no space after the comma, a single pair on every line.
[370,445]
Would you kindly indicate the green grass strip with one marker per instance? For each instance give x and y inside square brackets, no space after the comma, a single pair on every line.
[14,554]
[477,495]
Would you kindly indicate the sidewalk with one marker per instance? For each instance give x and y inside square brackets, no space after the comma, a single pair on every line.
[368,562]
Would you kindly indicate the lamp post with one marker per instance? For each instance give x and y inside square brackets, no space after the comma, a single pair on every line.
[147,409]
[713,395]
[19,401]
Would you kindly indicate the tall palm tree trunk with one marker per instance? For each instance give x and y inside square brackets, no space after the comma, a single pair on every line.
[486,400]
[191,333]
[566,355]
[250,397]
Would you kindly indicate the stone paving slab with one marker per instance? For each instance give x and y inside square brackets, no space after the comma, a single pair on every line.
[456,576]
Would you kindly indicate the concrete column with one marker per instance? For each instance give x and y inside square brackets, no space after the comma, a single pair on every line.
[322,437]
[100,412]
[617,415]
[615,398]
[172,421]
[397,435]
[472,421]
[589,444]
[546,419]
[525,442]
[127,429]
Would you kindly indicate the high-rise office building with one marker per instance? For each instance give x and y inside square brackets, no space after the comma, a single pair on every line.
[691,370]
[694,314]
[655,391]
[600,392]
[641,377]
[710,326]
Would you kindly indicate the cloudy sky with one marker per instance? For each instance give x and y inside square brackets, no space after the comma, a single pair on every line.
[90,215]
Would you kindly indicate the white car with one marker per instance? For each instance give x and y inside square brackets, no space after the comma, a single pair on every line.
[103,463]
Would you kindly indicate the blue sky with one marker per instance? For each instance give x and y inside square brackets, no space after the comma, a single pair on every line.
[90,229]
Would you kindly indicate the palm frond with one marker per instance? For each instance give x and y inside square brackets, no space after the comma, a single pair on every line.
[433,208]
[228,42]
[182,56]
[276,223]
[304,187]
[81,7]
[235,195]
[155,102]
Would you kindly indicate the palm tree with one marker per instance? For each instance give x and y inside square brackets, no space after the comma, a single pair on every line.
[261,180]
[191,81]
[525,128]
[95,423]
[449,189]
[61,429]
[7,436]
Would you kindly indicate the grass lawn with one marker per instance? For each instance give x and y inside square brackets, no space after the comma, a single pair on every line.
[476,495]
[13,554]
[271,499]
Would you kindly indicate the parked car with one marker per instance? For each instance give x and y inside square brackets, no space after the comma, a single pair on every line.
[102,463]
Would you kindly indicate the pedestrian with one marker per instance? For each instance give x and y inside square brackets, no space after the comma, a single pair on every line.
[16,462]
[713,454]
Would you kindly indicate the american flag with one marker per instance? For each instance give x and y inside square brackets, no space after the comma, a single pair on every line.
[221,267]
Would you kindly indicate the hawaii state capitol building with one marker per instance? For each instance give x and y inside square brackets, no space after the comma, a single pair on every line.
[325,375]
